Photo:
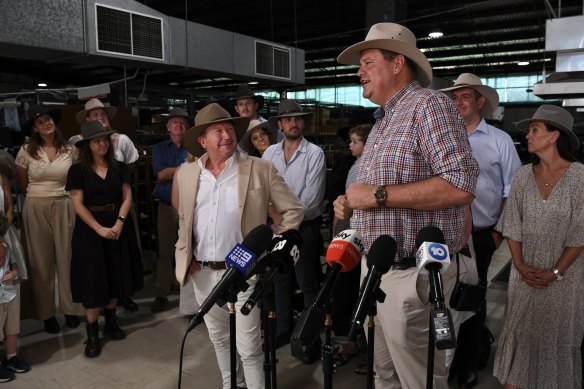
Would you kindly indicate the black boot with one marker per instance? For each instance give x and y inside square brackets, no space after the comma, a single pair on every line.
[111,325]
[92,346]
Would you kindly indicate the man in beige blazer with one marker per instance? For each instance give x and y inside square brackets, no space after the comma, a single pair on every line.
[222,196]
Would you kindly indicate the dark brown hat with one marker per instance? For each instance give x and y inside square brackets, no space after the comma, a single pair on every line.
[39,110]
[178,112]
[245,92]
[286,109]
[91,130]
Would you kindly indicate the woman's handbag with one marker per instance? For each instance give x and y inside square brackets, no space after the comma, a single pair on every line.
[466,297]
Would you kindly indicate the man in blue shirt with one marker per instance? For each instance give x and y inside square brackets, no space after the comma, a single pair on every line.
[166,157]
[498,161]
[303,166]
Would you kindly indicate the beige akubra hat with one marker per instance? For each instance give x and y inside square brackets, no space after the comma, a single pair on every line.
[94,104]
[469,80]
[211,113]
[393,37]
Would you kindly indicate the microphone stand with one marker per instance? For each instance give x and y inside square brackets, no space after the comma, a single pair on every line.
[231,300]
[268,312]
[328,350]
[439,318]
[371,313]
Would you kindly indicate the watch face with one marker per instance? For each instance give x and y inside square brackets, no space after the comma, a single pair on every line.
[380,193]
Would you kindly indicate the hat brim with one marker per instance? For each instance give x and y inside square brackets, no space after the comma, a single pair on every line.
[490,94]
[258,99]
[191,139]
[352,55]
[523,126]
[190,120]
[81,115]
[54,113]
[100,134]
[245,142]
[274,119]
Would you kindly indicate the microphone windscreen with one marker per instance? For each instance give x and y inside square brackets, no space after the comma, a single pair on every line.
[258,239]
[382,253]
[345,249]
[429,234]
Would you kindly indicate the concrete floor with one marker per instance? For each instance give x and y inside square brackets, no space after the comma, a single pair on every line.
[149,356]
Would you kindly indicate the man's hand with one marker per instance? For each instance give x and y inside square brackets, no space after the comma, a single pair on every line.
[361,196]
[342,209]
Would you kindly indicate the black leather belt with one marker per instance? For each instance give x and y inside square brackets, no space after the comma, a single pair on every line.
[103,208]
[213,265]
[488,228]
[404,264]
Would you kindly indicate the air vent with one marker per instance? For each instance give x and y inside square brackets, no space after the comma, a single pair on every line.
[272,60]
[128,33]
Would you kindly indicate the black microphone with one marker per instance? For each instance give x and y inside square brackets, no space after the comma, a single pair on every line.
[380,258]
[283,254]
[343,254]
[432,256]
[241,262]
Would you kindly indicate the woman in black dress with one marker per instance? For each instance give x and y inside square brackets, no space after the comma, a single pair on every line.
[106,262]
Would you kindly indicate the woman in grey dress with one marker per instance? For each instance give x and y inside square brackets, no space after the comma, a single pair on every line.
[543,221]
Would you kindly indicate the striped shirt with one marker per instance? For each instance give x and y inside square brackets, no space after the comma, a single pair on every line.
[418,135]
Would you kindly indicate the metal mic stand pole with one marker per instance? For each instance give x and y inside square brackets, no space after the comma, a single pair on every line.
[372,312]
[328,350]
[231,300]
[268,312]
[431,339]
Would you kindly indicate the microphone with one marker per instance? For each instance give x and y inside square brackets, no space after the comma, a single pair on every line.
[433,255]
[240,262]
[342,255]
[283,254]
[380,258]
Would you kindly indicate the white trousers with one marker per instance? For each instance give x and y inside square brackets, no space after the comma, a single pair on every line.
[248,333]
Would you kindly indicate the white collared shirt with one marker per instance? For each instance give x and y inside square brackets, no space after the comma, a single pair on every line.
[216,225]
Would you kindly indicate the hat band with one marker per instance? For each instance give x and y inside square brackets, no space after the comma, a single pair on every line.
[291,111]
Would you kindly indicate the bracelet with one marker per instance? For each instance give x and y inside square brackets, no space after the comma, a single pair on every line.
[121,218]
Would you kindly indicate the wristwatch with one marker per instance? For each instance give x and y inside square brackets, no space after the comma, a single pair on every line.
[121,218]
[380,195]
[559,276]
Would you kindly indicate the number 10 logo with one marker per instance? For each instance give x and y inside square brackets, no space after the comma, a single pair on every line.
[438,251]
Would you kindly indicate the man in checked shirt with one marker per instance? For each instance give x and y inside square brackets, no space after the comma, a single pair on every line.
[416,170]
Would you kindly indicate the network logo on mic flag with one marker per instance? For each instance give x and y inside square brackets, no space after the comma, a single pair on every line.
[346,248]
[240,258]
[431,252]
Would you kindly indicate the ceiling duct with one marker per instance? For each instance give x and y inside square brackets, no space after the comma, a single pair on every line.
[128,33]
[271,60]
[565,36]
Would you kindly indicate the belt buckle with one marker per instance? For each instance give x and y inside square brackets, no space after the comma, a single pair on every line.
[110,207]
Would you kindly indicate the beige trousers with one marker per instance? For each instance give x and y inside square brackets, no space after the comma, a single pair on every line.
[48,226]
[401,330]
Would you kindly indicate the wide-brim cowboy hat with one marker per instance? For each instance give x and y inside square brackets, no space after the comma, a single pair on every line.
[91,130]
[39,110]
[392,37]
[469,80]
[178,112]
[92,104]
[244,92]
[245,142]
[555,116]
[286,109]
[212,113]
